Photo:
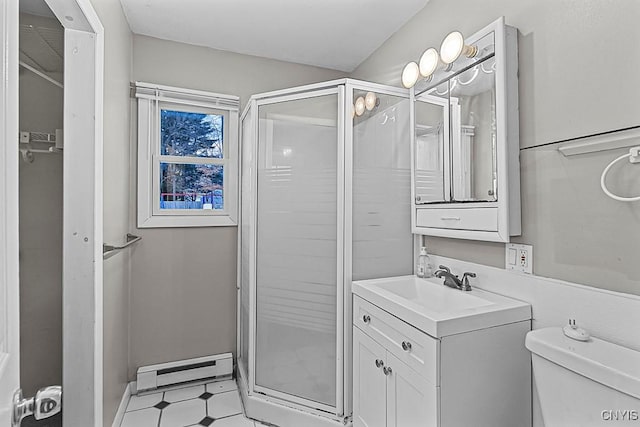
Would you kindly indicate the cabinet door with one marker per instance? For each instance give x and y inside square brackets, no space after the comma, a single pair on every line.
[411,400]
[369,382]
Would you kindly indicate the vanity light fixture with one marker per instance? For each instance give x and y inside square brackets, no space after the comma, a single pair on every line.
[360,106]
[453,46]
[410,75]
[429,62]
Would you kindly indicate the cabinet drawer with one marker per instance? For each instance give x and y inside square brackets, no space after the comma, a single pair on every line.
[412,346]
[482,219]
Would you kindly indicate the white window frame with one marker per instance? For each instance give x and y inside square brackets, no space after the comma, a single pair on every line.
[152,99]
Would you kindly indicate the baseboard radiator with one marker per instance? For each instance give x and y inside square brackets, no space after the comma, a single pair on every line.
[183,371]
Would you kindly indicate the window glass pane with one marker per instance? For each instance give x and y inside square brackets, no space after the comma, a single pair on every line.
[191,186]
[185,133]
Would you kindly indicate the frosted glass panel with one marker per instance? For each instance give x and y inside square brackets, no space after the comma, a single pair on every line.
[296,246]
[248,206]
[382,239]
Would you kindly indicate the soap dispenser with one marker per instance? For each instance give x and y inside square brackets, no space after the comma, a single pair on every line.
[424,267]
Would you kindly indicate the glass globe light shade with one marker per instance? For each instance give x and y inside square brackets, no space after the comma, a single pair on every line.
[453,46]
[410,74]
[429,62]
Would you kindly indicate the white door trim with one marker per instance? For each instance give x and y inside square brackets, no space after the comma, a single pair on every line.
[82,337]
[9,243]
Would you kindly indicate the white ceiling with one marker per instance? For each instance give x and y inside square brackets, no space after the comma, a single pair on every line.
[337,34]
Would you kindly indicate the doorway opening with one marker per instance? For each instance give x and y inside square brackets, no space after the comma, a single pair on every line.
[41,101]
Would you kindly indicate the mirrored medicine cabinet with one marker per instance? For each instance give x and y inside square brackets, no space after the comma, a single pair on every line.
[465,147]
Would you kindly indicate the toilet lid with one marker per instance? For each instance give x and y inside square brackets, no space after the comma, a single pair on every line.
[610,364]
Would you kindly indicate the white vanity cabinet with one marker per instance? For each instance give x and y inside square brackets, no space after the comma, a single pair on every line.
[390,392]
[403,377]
[465,144]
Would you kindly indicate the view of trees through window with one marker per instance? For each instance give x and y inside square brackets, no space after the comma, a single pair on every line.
[191,185]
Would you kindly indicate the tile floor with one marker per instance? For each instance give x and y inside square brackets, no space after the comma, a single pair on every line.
[215,404]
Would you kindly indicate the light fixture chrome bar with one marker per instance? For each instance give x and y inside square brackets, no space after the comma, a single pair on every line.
[609,141]
[41,74]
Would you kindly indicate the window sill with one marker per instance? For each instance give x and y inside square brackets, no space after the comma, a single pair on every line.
[161,221]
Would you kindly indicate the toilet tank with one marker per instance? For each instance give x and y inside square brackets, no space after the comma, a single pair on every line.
[592,383]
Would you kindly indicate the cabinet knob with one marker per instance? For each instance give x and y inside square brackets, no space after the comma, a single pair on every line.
[379,363]
[366,318]
[406,345]
[387,370]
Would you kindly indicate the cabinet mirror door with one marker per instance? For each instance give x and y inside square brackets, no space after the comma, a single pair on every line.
[431,147]
[473,134]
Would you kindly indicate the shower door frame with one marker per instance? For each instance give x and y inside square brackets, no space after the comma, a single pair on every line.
[308,92]
[344,88]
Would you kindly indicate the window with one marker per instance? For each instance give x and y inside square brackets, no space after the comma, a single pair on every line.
[187,157]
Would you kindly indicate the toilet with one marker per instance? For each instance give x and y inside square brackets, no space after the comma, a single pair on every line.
[584,383]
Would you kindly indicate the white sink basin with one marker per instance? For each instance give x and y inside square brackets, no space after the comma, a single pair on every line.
[437,309]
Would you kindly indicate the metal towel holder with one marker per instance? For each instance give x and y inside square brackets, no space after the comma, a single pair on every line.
[110,250]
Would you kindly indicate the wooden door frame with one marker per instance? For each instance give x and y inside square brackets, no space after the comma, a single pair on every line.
[9,243]
[82,200]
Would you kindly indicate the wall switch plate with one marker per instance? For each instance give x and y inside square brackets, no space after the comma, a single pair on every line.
[519,258]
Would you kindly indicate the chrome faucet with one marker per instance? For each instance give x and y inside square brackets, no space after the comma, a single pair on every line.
[453,281]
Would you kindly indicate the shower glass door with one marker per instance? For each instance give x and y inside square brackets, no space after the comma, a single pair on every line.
[299,240]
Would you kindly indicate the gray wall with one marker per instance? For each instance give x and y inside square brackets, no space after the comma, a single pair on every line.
[577,77]
[40,232]
[183,280]
[117,74]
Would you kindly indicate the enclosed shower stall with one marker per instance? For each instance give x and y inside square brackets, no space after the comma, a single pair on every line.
[325,179]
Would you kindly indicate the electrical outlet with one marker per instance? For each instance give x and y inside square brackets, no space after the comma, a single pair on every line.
[519,258]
